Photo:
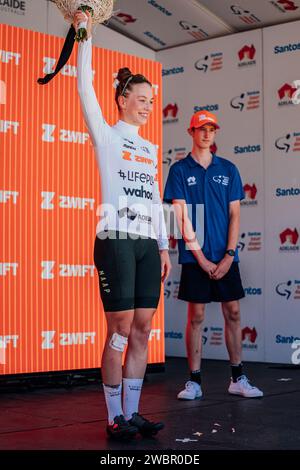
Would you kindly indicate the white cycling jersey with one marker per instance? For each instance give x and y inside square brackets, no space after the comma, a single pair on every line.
[127,164]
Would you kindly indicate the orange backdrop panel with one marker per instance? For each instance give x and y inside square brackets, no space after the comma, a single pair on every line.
[51,313]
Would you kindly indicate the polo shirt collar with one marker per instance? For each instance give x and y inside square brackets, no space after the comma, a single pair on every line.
[192,163]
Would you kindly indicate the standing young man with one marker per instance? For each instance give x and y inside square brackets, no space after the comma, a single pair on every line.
[206,191]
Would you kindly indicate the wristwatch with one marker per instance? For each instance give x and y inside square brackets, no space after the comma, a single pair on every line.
[230,252]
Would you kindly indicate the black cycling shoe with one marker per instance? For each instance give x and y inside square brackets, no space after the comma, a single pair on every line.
[144,426]
[121,429]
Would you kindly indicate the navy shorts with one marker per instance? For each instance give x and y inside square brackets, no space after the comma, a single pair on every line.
[197,287]
[129,271]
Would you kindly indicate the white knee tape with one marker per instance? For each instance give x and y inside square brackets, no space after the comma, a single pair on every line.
[118,342]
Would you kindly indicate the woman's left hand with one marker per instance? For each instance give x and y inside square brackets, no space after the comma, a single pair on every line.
[165,264]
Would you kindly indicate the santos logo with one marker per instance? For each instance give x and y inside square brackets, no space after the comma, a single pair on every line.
[66,270]
[286,339]
[65,135]
[253,291]
[6,196]
[283,192]
[172,71]
[66,339]
[67,70]
[247,149]
[6,126]
[9,56]
[287,48]
[66,202]
[207,107]
[159,7]
[6,268]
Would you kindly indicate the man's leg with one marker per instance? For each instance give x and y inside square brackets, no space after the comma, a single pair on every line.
[233,332]
[233,337]
[193,339]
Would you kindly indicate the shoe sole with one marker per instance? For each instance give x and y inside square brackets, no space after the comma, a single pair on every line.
[245,396]
[153,432]
[189,399]
[122,436]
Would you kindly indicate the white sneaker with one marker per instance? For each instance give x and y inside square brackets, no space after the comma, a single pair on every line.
[243,387]
[191,392]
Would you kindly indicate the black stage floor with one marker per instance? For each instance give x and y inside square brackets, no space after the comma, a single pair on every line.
[75,419]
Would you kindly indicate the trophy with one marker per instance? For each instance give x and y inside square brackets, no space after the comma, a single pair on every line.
[100,11]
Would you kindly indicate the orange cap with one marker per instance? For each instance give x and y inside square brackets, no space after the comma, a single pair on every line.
[201,118]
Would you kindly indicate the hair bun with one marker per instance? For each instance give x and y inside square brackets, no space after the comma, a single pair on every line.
[124,74]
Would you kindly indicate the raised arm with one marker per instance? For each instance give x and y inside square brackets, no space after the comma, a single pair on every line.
[99,130]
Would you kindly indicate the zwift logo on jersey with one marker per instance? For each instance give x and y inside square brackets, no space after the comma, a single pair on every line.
[159,7]
[207,107]
[287,192]
[246,101]
[288,143]
[289,290]
[247,56]
[193,30]
[246,149]
[170,113]
[250,241]
[49,270]
[7,57]
[210,63]
[249,337]
[8,197]
[123,18]
[17,7]
[64,135]
[284,5]
[250,195]
[172,71]
[173,155]
[291,47]
[289,240]
[244,15]
[286,94]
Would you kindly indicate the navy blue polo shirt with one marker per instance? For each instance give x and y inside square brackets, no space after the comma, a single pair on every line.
[207,192]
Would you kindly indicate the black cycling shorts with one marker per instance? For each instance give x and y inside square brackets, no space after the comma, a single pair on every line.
[129,271]
[197,287]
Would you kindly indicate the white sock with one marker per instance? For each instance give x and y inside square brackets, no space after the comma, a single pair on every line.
[132,392]
[113,398]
